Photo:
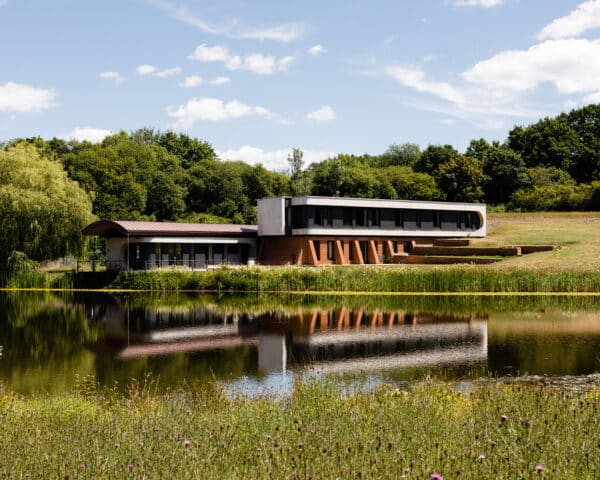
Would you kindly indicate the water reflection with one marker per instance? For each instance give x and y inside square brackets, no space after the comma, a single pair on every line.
[48,340]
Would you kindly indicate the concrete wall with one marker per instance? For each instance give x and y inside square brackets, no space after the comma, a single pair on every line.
[271,216]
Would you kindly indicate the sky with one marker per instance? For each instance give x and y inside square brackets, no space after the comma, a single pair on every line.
[257,78]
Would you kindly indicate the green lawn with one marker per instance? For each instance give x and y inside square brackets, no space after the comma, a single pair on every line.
[577,232]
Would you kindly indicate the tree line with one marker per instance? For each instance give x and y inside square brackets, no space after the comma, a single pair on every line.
[50,189]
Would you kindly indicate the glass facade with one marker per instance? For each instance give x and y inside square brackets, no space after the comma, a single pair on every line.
[144,256]
[309,216]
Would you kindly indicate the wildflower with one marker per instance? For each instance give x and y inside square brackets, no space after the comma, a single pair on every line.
[189,412]
[187,442]
[130,466]
[503,418]
[539,468]
[481,457]
[436,476]
[530,422]
[179,436]
[493,444]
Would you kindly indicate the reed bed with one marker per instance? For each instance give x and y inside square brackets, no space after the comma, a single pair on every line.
[431,431]
[467,278]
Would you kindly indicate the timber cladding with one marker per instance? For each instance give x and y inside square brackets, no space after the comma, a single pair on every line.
[329,250]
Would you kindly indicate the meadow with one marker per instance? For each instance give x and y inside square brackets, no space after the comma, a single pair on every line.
[428,431]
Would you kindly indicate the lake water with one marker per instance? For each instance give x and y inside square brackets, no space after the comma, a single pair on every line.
[261,343]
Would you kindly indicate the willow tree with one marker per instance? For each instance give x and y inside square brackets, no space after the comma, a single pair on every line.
[42,211]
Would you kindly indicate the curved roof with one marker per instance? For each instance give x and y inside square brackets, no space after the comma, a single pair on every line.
[122,228]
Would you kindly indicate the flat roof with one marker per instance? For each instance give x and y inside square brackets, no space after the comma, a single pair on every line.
[122,228]
[340,201]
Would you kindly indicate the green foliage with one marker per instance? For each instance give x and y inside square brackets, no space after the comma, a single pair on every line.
[570,142]
[461,179]
[504,170]
[434,156]
[400,155]
[411,185]
[130,180]
[300,180]
[559,197]
[42,211]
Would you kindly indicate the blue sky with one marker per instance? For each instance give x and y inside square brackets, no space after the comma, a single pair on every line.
[256,78]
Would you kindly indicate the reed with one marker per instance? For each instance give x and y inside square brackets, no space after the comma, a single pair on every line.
[467,278]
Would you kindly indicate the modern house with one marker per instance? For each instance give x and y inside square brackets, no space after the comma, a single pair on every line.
[326,230]
[134,245]
[292,230]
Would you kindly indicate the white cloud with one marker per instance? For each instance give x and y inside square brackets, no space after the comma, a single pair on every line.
[274,159]
[592,98]
[220,81]
[145,69]
[114,76]
[570,64]
[254,62]
[414,77]
[260,64]
[167,72]
[191,81]
[283,33]
[155,72]
[284,62]
[18,97]
[585,17]
[478,3]
[87,134]
[216,110]
[323,114]
[317,50]
[216,53]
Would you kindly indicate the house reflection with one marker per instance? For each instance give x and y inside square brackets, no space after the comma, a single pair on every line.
[341,340]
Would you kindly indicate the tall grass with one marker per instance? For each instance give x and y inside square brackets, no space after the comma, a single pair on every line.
[500,432]
[465,278]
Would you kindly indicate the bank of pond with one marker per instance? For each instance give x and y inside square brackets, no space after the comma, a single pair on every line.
[440,278]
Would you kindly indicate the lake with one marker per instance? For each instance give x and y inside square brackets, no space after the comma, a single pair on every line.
[261,343]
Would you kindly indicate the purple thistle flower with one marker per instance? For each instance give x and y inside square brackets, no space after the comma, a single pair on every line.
[493,444]
[187,442]
[481,457]
[539,468]
[130,466]
[504,418]
[436,476]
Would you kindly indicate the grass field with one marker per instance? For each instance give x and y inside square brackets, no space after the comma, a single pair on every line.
[427,432]
[577,232]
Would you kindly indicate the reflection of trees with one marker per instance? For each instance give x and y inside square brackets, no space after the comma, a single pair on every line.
[43,340]
[257,303]
[545,354]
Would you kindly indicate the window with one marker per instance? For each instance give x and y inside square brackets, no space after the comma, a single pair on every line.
[318,216]
[359,216]
[398,218]
[348,216]
[373,214]
[351,251]
[330,254]
[317,245]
